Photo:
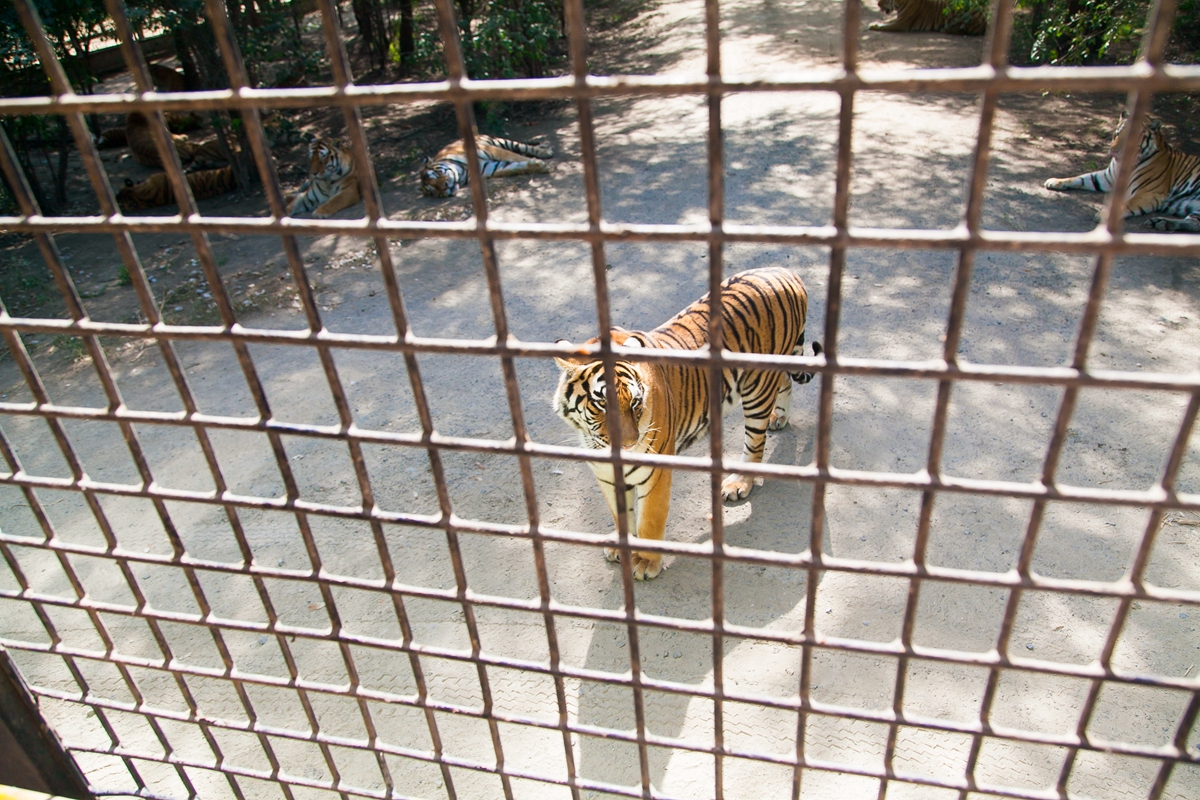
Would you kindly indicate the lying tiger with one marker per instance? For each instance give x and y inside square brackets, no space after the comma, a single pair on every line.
[156,190]
[929,15]
[176,123]
[664,407]
[332,183]
[498,158]
[141,145]
[1164,181]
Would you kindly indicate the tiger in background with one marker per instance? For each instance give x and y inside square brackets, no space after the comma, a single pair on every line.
[498,158]
[664,407]
[332,183]
[141,145]
[1164,181]
[929,15]
[177,122]
[156,190]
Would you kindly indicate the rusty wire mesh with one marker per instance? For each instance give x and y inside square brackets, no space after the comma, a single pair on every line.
[990,80]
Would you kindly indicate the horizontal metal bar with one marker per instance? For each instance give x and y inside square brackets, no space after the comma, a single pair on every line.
[1091,242]
[1167,78]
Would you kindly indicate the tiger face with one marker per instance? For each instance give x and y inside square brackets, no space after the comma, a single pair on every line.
[582,401]
[325,158]
[437,180]
[1152,139]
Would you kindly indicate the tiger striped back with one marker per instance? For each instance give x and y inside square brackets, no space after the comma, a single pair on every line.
[156,190]
[498,157]
[664,408]
[1164,180]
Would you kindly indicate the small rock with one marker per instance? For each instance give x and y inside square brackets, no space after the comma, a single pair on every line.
[866,622]
[1182,615]
[677,654]
[829,611]
[281,562]
[262,640]
[556,472]
[1029,646]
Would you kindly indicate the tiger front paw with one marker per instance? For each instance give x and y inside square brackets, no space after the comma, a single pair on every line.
[543,151]
[778,420]
[537,165]
[645,566]
[736,487]
[1055,184]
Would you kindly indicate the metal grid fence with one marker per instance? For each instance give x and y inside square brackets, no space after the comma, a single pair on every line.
[990,79]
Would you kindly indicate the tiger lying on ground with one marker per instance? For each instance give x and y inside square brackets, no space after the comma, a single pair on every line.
[929,15]
[176,123]
[499,158]
[1164,180]
[664,407]
[141,145]
[332,182]
[156,190]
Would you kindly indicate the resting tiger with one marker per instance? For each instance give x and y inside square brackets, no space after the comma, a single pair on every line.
[332,182]
[1164,180]
[499,158]
[176,123]
[156,190]
[929,15]
[664,407]
[141,145]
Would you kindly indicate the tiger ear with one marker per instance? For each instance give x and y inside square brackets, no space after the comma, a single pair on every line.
[564,364]
[1154,125]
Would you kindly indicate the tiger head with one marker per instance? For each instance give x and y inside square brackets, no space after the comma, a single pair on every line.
[329,158]
[438,180]
[580,398]
[1152,139]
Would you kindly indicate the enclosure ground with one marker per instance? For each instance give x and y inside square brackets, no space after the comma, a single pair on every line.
[911,161]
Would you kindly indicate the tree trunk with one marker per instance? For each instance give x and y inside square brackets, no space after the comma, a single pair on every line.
[408,47]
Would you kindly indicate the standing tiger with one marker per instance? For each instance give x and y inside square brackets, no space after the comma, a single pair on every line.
[499,158]
[332,183]
[929,15]
[664,407]
[156,190]
[1164,180]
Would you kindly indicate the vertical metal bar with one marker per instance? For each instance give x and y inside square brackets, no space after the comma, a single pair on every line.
[833,308]
[716,377]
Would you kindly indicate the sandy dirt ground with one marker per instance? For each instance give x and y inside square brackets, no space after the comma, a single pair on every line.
[911,156]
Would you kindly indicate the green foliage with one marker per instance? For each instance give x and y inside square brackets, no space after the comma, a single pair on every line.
[1074,32]
[513,39]
[1070,32]
[503,39]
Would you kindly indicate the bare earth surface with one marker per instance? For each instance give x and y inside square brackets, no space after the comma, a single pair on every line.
[911,160]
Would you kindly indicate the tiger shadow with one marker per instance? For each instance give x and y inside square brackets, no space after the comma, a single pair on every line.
[754,596]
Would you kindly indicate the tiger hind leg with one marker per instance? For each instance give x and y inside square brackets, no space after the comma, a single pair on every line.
[512,150]
[760,393]
[506,169]
[1189,224]
[783,406]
